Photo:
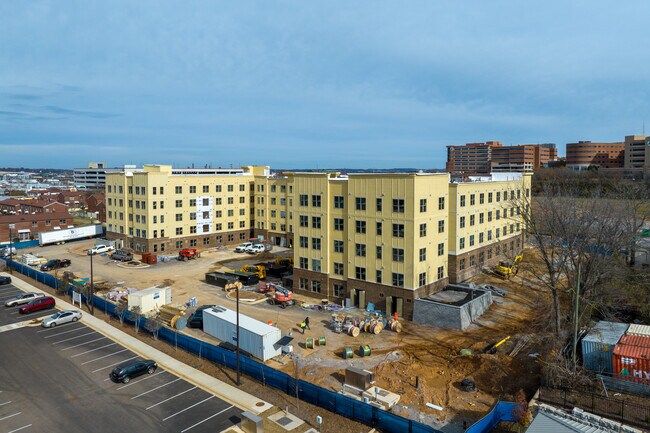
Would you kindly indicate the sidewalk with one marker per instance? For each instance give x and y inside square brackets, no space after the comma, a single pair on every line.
[206,382]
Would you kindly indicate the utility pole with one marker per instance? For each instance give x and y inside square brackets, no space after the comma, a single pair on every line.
[575,323]
[11,247]
[92,287]
[238,372]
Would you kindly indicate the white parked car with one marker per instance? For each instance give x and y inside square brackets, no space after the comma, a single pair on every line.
[98,249]
[22,299]
[255,249]
[61,317]
[243,247]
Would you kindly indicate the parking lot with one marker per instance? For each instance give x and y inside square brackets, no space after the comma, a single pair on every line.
[56,379]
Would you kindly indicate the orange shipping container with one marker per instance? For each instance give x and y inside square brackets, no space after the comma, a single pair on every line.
[631,358]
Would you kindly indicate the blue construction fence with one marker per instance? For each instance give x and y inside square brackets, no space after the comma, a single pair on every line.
[22,244]
[305,391]
[503,411]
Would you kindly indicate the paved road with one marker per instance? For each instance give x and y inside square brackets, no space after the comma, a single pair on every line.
[57,380]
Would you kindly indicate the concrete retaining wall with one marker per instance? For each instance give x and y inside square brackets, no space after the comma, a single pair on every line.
[450,316]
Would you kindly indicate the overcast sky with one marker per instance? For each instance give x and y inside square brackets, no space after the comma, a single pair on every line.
[304,85]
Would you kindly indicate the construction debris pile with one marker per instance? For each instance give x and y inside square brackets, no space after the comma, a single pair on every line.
[118,293]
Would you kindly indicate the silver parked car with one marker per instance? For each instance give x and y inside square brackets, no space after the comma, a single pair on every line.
[22,299]
[61,317]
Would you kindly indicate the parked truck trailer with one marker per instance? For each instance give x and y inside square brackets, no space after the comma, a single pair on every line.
[65,235]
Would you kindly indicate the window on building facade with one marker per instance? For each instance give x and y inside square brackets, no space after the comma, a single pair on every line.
[315,265]
[315,243]
[441,249]
[472,220]
[471,240]
[422,279]
[304,242]
[398,255]
[461,243]
[304,221]
[379,228]
[179,231]
[423,205]
[423,230]
[192,189]
[304,262]
[441,203]
[360,203]
[315,286]
[338,224]
[398,230]
[360,273]
[360,226]
[339,291]
[360,250]
[480,238]
[379,204]
[472,199]
[304,200]
[378,252]
[338,202]
[338,246]
[398,205]
[398,280]
[462,200]
[315,200]
[441,272]
[316,222]
[481,218]
[423,254]
[179,190]
[462,222]
[338,269]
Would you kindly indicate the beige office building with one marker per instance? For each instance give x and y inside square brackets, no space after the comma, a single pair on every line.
[162,209]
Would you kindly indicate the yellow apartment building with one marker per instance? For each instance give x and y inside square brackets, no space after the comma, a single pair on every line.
[485,215]
[379,238]
[161,209]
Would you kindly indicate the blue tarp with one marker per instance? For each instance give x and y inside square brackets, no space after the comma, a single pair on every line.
[503,411]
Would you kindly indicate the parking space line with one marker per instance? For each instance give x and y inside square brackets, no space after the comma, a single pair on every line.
[53,328]
[105,356]
[59,333]
[82,344]
[158,387]
[9,416]
[7,402]
[167,399]
[72,338]
[92,350]
[20,428]
[9,297]
[109,366]
[10,288]
[142,380]
[208,418]
[188,408]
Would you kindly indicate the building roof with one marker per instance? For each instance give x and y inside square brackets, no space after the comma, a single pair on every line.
[553,420]
[9,219]
[606,332]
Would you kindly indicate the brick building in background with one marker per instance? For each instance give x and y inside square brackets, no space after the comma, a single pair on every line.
[492,156]
[584,154]
[28,226]
[30,206]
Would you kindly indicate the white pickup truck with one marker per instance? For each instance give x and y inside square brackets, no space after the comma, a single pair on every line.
[99,249]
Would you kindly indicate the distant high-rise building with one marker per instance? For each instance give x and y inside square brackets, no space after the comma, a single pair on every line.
[94,176]
[635,151]
[471,158]
[584,154]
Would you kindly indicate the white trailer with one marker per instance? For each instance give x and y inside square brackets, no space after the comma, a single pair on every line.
[150,299]
[257,338]
[60,236]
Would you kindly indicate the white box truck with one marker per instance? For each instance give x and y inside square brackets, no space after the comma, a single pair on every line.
[64,235]
[257,338]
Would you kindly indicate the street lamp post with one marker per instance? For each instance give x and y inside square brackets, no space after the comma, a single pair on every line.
[92,287]
[11,247]
[238,372]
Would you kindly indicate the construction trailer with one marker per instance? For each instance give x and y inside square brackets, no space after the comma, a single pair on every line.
[220,279]
[150,299]
[259,339]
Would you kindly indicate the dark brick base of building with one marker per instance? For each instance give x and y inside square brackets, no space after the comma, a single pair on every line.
[378,294]
[163,245]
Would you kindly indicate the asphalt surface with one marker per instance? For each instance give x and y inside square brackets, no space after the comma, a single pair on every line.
[56,380]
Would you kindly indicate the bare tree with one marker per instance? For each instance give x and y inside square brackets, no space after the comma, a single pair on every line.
[153,325]
[121,310]
[136,311]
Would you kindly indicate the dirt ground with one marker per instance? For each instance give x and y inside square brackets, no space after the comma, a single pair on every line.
[421,354]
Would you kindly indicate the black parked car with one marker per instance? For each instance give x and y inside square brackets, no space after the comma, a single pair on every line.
[196,320]
[55,264]
[5,280]
[130,369]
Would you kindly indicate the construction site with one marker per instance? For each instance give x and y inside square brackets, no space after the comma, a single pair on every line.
[443,373]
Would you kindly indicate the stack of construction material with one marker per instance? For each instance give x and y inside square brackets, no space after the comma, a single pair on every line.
[237,285]
[170,314]
[354,325]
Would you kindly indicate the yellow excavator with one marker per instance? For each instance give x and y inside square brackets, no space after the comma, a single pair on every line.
[506,269]
[258,270]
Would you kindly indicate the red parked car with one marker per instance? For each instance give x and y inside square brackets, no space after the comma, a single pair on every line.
[46,302]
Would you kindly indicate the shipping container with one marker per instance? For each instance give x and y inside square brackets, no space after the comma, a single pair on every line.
[150,299]
[598,345]
[631,359]
[635,329]
[257,338]
[220,279]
